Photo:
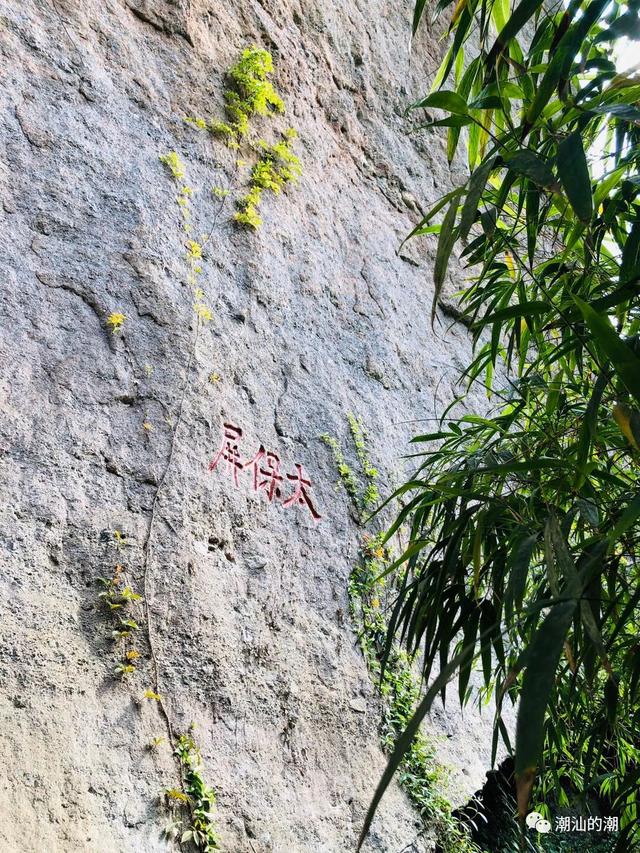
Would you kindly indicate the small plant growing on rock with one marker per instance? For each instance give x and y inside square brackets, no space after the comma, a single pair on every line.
[249,93]
[118,597]
[120,539]
[277,166]
[366,500]
[115,321]
[119,600]
[347,478]
[193,807]
[151,694]
[248,213]
[175,165]
[193,248]
[370,496]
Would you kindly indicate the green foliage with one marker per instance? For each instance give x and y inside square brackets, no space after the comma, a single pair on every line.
[265,177]
[371,495]
[249,76]
[523,524]
[347,477]
[278,164]
[226,132]
[363,503]
[250,93]
[200,123]
[420,774]
[119,601]
[193,807]
[194,250]
[248,212]
[175,165]
[276,167]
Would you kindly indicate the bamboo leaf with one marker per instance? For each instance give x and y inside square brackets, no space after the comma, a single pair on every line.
[533,209]
[562,58]
[477,184]
[437,207]
[518,18]
[530,465]
[625,362]
[517,569]
[564,560]
[630,266]
[621,111]
[526,163]
[468,641]
[446,243]
[628,518]
[629,422]
[443,100]
[417,15]
[574,176]
[589,424]
[574,587]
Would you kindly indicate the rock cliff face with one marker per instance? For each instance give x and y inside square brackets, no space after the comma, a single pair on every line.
[314,315]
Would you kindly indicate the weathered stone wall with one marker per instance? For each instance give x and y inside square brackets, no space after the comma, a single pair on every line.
[314,315]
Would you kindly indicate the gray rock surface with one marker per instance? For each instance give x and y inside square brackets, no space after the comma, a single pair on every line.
[314,315]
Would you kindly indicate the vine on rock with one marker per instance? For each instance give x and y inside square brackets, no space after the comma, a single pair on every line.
[120,600]
[193,805]
[421,776]
[277,166]
[250,93]
[193,802]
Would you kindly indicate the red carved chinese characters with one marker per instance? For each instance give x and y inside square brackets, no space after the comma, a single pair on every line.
[272,476]
[229,451]
[300,495]
[265,472]
[254,464]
